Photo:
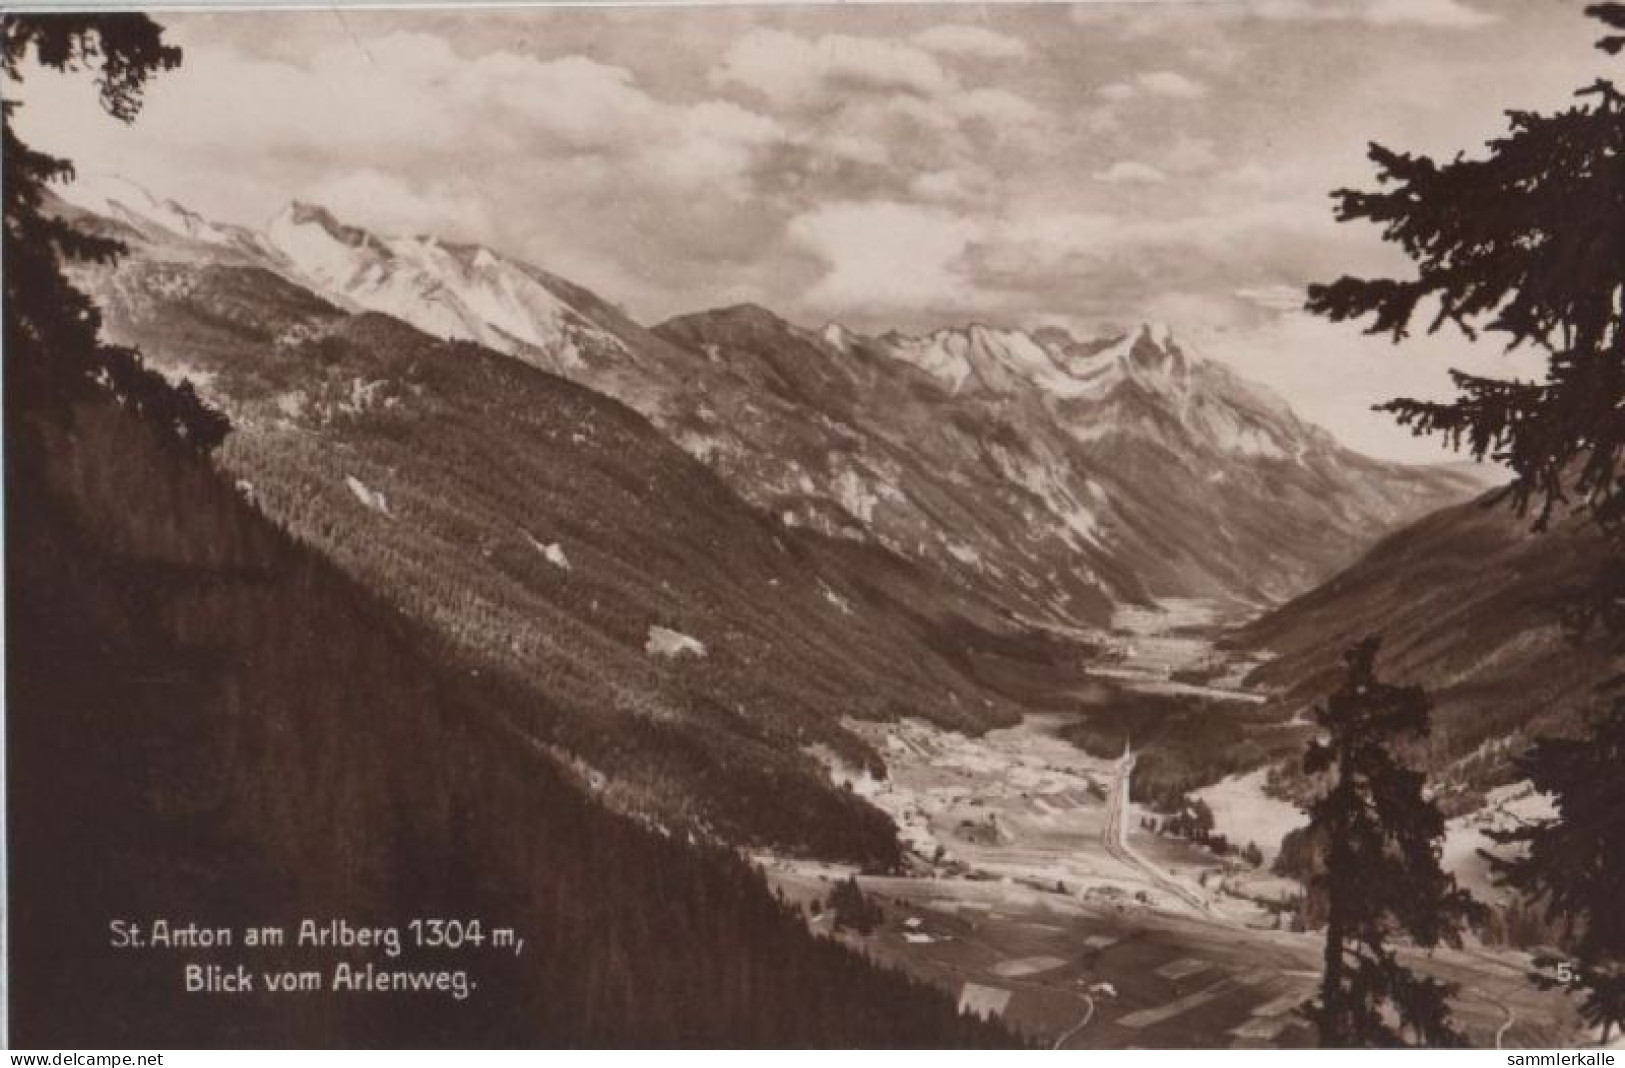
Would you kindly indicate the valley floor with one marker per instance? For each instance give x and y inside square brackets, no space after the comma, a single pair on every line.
[1037,895]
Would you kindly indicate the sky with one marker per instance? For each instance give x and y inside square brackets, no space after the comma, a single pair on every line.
[903,167]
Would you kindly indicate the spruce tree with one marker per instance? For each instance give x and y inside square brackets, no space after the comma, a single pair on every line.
[54,356]
[1382,874]
[1525,243]
[1575,863]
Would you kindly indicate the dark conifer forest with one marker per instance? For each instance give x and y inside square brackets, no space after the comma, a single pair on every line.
[210,723]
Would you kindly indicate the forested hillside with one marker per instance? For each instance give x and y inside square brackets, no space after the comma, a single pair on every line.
[1469,603]
[208,722]
[685,646]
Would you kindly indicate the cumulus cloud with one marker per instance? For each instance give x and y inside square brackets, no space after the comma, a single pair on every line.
[1444,14]
[970,41]
[874,118]
[1121,264]
[886,256]
[716,144]
[394,204]
[946,185]
[1130,172]
[1098,120]
[873,165]
[1280,298]
[1447,14]
[1170,83]
[557,158]
[1144,21]
[860,86]
[1188,155]
[413,96]
[791,70]
[998,106]
[867,116]
[1032,241]
[1163,83]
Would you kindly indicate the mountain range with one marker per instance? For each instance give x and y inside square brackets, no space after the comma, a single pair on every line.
[703,545]
[991,454]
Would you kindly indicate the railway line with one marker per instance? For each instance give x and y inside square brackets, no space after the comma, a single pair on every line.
[1114,837]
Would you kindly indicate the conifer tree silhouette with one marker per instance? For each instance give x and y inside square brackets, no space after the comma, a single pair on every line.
[54,355]
[1382,874]
[1525,243]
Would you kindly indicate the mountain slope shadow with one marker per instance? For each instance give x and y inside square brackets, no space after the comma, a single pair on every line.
[555,534]
[1468,601]
[210,723]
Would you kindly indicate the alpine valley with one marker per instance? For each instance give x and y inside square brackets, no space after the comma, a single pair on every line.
[862,528]
[843,603]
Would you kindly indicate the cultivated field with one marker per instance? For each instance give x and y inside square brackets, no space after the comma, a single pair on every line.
[1037,895]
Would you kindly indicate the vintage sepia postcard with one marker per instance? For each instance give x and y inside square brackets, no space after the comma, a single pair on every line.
[932,525]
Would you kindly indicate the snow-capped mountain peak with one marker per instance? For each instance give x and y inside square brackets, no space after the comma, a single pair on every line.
[1049,360]
[319,247]
[1057,475]
[839,337]
[156,218]
[459,292]
[1142,384]
[1149,356]
[1144,467]
[303,217]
